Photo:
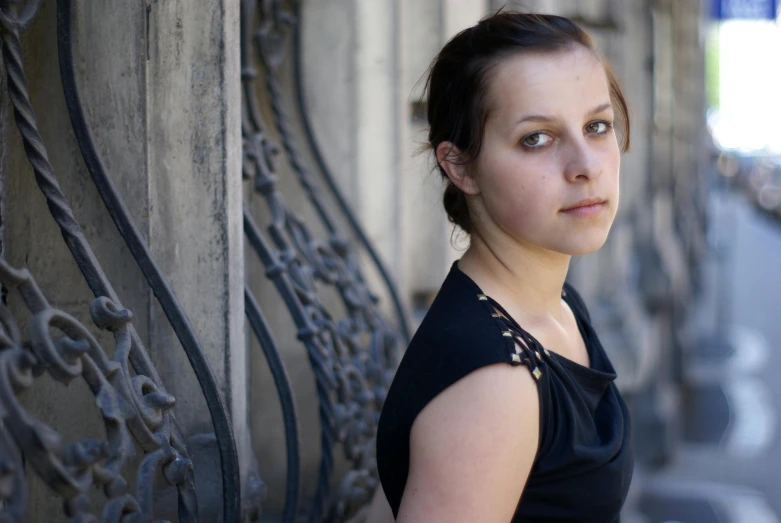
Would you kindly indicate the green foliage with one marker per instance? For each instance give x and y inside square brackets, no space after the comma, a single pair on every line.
[712,66]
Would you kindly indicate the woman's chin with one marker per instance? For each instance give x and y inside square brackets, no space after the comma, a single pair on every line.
[583,244]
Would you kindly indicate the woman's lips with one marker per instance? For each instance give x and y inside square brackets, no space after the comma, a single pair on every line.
[585,211]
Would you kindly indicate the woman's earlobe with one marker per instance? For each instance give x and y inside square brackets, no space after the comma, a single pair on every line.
[461,176]
[468,183]
[448,159]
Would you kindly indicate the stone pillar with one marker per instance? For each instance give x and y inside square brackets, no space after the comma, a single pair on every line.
[377,135]
[425,226]
[457,15]
[195,202]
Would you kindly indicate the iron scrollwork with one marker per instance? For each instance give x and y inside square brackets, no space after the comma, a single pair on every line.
[136,406]
[352,357]
[231,484]
[132,406]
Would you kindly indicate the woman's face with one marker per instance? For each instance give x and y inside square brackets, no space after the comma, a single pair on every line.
[549,149]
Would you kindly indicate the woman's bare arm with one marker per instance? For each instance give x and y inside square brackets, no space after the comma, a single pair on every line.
[471,449]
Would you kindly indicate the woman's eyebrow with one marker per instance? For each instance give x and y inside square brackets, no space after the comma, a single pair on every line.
[546,119]
[533,118]
[598,109]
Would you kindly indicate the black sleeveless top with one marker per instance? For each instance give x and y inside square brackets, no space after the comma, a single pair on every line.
[583,466]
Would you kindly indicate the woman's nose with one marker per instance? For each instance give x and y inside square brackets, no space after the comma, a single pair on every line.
[582,162]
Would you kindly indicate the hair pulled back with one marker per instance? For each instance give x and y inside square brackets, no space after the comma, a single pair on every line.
[458,80]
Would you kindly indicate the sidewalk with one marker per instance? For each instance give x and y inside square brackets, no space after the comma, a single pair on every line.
[727,468]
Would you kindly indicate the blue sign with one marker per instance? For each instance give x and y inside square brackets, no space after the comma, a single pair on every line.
[746,9]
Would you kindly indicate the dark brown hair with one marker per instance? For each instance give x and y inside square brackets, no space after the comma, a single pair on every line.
[458,80]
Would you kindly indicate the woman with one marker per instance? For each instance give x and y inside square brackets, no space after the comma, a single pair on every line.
[504,406]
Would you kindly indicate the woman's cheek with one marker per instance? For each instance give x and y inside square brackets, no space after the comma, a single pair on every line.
[523,211]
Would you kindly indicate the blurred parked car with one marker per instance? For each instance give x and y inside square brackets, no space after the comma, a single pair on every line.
[754,172]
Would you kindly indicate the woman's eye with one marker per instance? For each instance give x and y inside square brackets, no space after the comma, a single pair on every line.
[535,140]
[597,127]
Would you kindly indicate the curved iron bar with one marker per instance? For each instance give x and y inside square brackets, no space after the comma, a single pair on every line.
[352,416]
[336,193]
[358,376]
[131,405]
[85,257]
[334,264]
[349,416]
[341,269]
[47,181]
[285,391]
[319,358]
[13,21]
[13,488]
[226,444]
[258,164]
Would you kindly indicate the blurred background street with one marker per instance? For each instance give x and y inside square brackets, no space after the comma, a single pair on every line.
[728,464]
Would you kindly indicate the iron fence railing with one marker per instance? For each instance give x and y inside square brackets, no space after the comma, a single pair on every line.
[352,356]
[133,404]
[352,375]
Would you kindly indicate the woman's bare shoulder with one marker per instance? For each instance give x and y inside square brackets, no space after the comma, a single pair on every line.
[472,447]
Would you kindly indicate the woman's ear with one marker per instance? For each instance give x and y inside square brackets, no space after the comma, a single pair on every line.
[448,158]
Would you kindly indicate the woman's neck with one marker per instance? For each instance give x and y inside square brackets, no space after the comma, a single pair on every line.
[531,278]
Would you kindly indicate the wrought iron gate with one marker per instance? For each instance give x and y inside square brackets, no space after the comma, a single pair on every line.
[352,357]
